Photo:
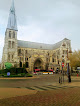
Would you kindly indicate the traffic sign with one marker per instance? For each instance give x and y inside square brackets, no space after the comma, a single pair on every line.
[62,64]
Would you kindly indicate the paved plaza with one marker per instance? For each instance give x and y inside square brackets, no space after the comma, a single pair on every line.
[40,90]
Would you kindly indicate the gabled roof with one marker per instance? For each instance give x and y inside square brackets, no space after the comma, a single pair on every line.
[35,45]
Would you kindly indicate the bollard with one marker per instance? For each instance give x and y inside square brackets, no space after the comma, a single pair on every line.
[59,79]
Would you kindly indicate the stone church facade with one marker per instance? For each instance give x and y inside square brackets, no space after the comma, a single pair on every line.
[32,54]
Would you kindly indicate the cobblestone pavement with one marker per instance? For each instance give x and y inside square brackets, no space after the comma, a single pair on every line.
[55,97]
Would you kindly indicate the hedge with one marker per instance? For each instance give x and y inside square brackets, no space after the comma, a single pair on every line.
[13,71]
[18,75]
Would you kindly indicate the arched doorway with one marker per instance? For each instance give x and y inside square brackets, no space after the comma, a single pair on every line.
[20,64]
[38,64]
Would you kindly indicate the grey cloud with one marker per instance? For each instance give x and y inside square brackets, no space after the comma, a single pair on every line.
[57,18]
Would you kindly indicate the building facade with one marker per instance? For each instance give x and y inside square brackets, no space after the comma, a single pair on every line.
[32,54]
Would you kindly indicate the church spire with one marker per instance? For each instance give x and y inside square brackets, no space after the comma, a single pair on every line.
[12,23]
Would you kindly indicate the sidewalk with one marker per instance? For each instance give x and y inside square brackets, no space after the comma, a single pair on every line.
[58,97]
[13,92]
[19,77]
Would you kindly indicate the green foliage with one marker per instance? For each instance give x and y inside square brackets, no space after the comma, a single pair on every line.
[8,65]
[75,59]
[28,75]
[14,76]
[17,75]
[15,72]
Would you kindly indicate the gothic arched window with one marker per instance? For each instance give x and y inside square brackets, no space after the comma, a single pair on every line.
[13,34]
[58,61]
[53,59]
[9,34]
[12,57]
[12,44]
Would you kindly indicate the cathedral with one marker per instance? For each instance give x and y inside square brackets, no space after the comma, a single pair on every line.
[32,55]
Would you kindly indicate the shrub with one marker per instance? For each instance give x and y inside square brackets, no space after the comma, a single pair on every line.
[13,71]
[28,75]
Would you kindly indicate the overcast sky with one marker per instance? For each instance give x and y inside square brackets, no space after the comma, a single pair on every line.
[44,21]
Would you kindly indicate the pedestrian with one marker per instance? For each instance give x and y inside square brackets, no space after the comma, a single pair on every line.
[69,77]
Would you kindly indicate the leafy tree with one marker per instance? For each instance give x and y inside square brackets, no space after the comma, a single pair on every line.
[8,65]
[75,59]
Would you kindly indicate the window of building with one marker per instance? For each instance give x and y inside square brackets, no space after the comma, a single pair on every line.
[13,34]
[58,61]
[12,56]
[54,54]
[13,44]
[63,51]
[9,34]
[27,65]
[20,64]
[9,44]
[53,59]
[9,57]
[19,51]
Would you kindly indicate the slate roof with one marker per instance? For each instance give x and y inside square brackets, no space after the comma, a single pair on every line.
[35,45]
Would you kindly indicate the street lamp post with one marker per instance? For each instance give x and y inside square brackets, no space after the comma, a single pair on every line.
[68,71]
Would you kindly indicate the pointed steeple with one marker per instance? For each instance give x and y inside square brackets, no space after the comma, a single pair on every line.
[12,23]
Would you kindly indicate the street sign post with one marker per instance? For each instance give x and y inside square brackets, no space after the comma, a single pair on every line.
[62,64]
[63,71]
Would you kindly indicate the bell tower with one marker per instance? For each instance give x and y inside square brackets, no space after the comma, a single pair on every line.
[10,43]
